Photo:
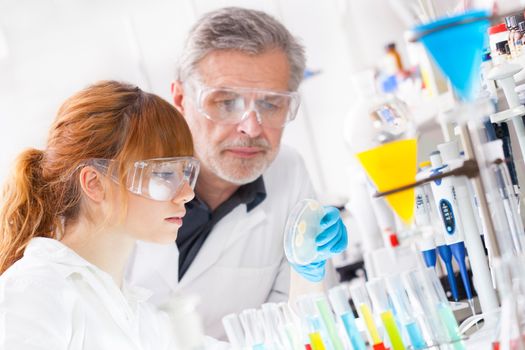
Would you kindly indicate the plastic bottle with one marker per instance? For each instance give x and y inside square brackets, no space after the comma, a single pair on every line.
[497,34]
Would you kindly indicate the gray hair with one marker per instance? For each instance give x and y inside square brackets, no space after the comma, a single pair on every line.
[246,30]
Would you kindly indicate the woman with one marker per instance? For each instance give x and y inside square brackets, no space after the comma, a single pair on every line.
[117,168]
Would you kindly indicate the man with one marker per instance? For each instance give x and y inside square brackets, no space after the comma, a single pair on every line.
[236,86]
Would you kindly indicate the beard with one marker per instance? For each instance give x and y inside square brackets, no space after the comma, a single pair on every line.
[239,171]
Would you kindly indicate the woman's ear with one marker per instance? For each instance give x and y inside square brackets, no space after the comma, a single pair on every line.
[92,185]
[177,93]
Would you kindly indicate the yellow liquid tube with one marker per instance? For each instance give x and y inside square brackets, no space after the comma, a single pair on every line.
[370,325]
[316,341]
[393,332]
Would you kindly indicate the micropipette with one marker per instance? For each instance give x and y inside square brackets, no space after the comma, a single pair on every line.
[450,154]
[446,255]
[427,246]
[446,201]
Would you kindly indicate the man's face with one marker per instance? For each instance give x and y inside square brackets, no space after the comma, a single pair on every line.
[237,153]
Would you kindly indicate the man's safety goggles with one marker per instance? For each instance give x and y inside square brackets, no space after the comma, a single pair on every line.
[228,105]
[159,179]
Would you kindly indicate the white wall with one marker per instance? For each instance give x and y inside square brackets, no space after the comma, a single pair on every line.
[50,49]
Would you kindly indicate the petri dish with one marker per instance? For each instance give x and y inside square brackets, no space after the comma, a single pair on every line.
[302,226]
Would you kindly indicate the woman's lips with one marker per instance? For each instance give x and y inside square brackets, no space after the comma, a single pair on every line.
[174,220]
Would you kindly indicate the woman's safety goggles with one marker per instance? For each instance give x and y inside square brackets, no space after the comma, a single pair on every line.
[160,179]
[226,105]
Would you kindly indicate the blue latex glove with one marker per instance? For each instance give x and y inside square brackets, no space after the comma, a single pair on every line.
[332,239]
[313,272]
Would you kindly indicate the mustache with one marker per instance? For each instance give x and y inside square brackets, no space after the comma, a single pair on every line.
[247,142]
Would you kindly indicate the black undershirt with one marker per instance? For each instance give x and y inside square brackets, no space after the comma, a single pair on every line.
[200,220]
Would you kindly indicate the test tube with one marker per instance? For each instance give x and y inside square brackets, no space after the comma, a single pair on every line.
[423,299]
[405,312]
[508,271]
[507,195]
[364,309]
[288,325]
[253,329]
[271,317]
[234,332]
[377,291]
[339,298]
[326,315]
[313,323]
[430,279]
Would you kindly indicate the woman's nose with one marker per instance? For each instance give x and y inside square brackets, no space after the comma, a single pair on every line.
[185,194]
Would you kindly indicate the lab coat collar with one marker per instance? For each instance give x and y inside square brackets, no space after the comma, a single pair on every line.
[67,261]
[52,250]
[122,303]
[216,244]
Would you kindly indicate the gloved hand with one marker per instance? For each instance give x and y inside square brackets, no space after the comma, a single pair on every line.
[332,239]
[313,272]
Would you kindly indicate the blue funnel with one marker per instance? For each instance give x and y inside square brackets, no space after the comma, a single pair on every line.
[456,44]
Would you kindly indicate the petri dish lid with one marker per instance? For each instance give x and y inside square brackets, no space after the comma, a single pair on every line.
[302,226]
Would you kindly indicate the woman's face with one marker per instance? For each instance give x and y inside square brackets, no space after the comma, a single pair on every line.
[156,221]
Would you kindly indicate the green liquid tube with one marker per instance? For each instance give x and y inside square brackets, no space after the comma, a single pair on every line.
[326,315]
[451,325]
[393,332]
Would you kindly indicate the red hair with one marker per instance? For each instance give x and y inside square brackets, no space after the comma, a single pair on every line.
[109,120]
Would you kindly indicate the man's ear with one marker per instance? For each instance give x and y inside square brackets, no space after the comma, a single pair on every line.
[91,184]
[177,94]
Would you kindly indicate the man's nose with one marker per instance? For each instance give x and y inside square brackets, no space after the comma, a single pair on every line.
[251,124]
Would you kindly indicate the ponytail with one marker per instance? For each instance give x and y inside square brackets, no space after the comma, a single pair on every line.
[25,212]
[110,120]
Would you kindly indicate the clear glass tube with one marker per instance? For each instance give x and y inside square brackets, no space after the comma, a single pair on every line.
[289,327]
[327,317]
[424,301]
[405,312]
[509,277]
[364,309]
[339,296]
[252,324]
[377,291]
[505,189]
[234,331]
[313,324]
[496,226]
[271,319]
[446,315]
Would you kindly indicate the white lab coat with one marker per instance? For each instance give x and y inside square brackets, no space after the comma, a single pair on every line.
[241,264]
[55,300]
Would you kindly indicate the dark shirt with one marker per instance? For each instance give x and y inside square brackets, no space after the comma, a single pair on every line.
[200,220]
